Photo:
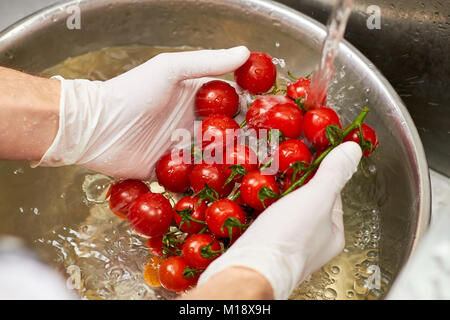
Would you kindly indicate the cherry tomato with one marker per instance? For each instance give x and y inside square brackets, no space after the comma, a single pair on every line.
[225,216]
[216,97]
[189,208]
[173,174]
[213,176]
[315,123]
[171,274]
[368,135]
[155,245]
[286,181]
[299,89]
[289,152]
[216,128]
[200,250]
[150,214]
[276,112]
[252,183]
[151,271]
[239,155]
[258,74]
[239,200]
[122,193]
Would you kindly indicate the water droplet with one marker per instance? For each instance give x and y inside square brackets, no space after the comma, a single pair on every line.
[155,187]
[9,55]
[280,62]
[360,287]
[330,294]
[18,171]
[335,269]
[377,293]
[95,187]
[372,254]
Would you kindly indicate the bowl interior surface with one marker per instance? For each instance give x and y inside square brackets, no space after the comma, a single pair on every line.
[44,40]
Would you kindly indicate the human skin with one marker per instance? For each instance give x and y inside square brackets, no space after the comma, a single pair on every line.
[29,114]
[233,283]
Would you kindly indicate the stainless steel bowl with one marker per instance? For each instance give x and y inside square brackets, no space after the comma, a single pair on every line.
[43,39]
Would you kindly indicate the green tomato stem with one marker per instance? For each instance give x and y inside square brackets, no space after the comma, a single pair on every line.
[355,124]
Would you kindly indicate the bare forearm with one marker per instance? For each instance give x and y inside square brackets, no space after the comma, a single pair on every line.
[29,115]
[234,283]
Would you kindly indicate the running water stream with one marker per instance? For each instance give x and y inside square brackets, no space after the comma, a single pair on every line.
[324,72]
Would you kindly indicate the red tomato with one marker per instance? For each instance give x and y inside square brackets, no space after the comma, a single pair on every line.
[171,275]
[252,183]
[286,182]
[213,176]
[239,200]
[200,250]
[216,128]
[289,152]
[299,89]
[239,155]
[122,193]
[315,123]
[258,74]
[368,135]
[150,214]
[173,174]
[155,245]
[189,208]
[276,112]
[222,216]
[216,97]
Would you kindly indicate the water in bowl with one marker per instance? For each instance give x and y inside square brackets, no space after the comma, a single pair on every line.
[62,214]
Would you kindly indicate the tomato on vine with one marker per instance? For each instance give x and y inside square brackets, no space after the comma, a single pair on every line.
[210,176]
[292,156]
[259,190]
[175,275]
[155,246]
[237,161]
[121,195]
[200,250]
[299,89]
[216,97]
[370,140]
[173,173]
[217,130]
[225,218]
[150,214]
[258,74]
[190,214]
[276,112]
[315,123]
[286,182]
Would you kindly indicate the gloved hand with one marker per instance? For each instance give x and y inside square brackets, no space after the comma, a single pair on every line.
[299,233]
[121,127]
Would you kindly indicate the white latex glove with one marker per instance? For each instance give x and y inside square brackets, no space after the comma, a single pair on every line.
[298,234]
[121,127]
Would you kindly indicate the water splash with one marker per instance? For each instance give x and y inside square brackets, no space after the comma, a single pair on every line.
[324,72]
